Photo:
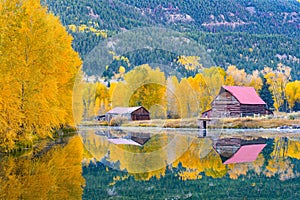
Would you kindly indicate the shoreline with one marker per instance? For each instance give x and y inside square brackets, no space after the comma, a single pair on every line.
[200,133]
[139,128]
[246,123]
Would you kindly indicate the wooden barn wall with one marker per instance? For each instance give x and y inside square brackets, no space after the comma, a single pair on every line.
[140,114]
[226,105]
[253,109]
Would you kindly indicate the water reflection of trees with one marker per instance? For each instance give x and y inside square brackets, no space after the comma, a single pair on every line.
[56,174]
[191,158]
[280,163]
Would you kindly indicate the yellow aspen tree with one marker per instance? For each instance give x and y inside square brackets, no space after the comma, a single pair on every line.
[185,107]
[78,107]
[38,67]
[119,95]
[277,79]
[89,97]
[190,62]
[193,103]
[229,80]
[254,80]
[97,106]
[173,104]
[292,91]
[239,75]
[142,86]
[122,70]
[103,96]
[213,79]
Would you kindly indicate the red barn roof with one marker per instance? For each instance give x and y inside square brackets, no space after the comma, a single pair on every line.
[247,153]
[245,95]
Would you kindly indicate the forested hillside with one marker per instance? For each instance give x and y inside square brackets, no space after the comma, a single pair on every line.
[249,34]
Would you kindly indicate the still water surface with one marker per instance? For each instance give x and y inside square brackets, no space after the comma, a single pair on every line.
[157,164]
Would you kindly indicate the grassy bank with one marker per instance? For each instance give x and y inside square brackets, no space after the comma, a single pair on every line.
[26,147]
[254,123]
[165,123]
[278,120]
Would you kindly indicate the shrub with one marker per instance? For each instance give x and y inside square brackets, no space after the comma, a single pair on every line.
[291,117]
[118,121]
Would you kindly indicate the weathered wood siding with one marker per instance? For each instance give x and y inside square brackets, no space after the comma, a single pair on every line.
[225,105]
[140,114]
[252,109]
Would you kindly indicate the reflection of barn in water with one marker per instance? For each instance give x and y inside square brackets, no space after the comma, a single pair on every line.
[235,150]
[140,138]
[137,139]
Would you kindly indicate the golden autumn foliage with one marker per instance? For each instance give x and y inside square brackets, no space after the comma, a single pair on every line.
[142,86]
[292,91]
[190,62]
[38,68]
[239,77]
[277,79]
[85,28]
[96,99]
[173,102]
[202,89]
[188,97]
[78,91]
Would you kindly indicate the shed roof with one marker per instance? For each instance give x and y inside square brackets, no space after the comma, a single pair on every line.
[123,141]
[123,110]
[247,153]
[245,95]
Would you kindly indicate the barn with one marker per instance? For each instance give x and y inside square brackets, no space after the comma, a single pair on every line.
[131,113]
[236,101]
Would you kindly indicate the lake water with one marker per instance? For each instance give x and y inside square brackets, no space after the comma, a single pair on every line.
[143,163]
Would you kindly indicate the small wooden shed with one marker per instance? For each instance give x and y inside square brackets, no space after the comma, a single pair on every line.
[236,101]
[131,113]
